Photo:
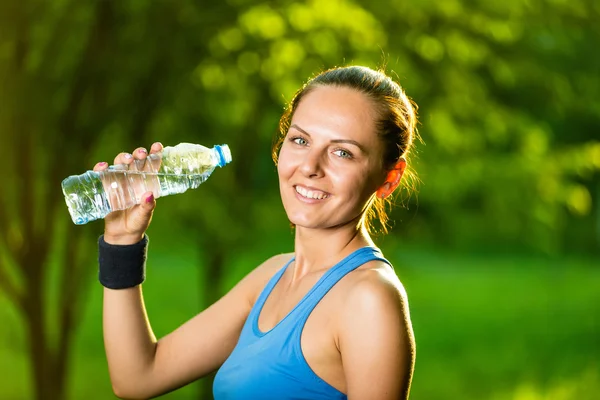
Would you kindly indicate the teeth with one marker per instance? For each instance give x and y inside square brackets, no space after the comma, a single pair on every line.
[311,194]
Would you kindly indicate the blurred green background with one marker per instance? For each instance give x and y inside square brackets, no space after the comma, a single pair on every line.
[499,250]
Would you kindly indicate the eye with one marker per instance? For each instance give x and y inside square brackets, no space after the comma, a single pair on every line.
[299,141]
[342,153]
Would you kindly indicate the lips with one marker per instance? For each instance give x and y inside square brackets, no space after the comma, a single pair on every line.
[311,193]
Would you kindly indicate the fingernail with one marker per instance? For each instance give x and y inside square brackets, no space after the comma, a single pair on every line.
[103,163]
[150,199]
[143,151]
[128,156]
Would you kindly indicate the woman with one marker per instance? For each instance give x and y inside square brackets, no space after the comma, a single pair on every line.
[328,321]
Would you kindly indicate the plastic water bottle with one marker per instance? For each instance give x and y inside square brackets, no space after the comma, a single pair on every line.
[94,195]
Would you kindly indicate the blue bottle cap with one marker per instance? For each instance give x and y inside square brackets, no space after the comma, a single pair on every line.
[224,154]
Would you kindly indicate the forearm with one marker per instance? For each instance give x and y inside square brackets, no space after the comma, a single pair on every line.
[129,342]
[128,339]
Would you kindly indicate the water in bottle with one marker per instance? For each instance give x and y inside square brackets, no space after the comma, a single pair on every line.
[94,195]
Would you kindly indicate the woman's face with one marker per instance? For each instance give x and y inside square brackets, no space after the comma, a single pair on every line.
[330,161]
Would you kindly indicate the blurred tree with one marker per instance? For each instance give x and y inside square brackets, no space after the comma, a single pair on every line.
[65,86]
[45,94]
[509,114]
[509,98]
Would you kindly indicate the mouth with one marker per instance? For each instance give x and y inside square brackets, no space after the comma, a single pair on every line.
[311,194]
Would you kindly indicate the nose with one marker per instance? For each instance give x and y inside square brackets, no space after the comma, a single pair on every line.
[312,164]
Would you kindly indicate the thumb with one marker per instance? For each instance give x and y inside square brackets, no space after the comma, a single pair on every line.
[148,202]
[141,214]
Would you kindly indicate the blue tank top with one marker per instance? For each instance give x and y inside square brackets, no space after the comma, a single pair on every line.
[270,365]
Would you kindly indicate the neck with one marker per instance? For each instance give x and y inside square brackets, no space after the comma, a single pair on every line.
[318,249]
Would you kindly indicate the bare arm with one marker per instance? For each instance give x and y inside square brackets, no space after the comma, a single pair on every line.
[142,367]
[376,339]
[129,341]
[139,365]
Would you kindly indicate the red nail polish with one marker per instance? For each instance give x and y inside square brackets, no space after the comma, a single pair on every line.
[150,199]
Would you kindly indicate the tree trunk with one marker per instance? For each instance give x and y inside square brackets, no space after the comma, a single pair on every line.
[40,355]
[211,291]
[598,215]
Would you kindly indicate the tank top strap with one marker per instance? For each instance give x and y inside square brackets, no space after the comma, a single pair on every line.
[333,276]
[260,301]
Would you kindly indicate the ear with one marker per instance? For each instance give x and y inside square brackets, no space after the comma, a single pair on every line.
[392,179]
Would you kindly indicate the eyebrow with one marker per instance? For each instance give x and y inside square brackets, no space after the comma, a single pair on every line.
[348,141]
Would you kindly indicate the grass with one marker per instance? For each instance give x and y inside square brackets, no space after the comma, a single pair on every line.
[504,327]
[500,327]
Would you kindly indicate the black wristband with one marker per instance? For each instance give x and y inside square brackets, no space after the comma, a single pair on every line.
[122,266]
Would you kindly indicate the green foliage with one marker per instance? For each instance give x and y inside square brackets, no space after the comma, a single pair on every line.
[511,155]
[509,107]
[509,112]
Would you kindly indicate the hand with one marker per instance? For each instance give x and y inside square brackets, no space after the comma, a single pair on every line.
[128,226]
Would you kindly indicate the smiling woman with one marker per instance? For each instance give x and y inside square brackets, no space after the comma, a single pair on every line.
[329,320]
[382,113]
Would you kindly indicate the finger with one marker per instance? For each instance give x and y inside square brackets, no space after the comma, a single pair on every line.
[142,213]
[156,147]
[155,156]
[123,158]
[139,159]
[101,166]
[140,153]
[149,202]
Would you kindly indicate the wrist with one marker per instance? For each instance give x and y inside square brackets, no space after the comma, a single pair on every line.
[123,240]
[122,266]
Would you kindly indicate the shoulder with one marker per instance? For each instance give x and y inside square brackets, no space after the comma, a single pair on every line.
[374,296]
[374,334]
[375,285]
[270,266]
[258,278]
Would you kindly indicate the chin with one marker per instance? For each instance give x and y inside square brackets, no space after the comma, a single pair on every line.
[303,221]
[306,222]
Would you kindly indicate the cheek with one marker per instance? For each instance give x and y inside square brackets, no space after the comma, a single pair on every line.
[286,163]
[281,173]
[282,162]
[356,179]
